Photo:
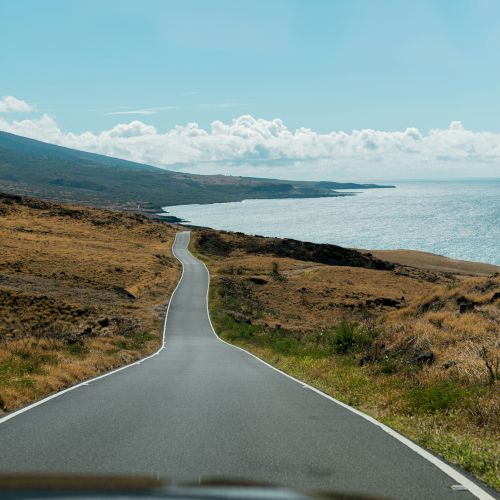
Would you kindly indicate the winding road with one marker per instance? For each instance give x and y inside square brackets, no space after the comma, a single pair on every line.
[202,408]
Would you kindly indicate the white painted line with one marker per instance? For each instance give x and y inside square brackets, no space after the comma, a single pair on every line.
[107,374]
[465,482]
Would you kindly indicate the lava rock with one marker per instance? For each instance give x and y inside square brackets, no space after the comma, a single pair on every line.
[425,358]
[465,305]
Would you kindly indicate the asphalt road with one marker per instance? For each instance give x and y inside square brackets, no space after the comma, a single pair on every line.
[204,408]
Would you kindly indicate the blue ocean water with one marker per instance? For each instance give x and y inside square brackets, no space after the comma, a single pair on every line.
[458,219]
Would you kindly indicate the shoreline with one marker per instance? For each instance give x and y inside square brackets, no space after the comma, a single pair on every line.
[421,259]
[435,219]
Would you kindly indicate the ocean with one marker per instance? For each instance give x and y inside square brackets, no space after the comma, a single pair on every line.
[458,219]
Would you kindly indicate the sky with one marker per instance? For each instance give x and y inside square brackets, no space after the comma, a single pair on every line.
[311,89]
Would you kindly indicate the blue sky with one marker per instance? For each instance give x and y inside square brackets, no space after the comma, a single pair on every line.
[321,64]
[325,65]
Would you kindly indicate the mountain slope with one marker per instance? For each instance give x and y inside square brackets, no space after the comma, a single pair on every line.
[53,172]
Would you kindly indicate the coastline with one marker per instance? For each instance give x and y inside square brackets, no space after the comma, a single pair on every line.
[419,259]
[456,220]
[435,262]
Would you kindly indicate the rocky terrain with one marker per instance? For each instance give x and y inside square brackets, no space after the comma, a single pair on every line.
[223,244]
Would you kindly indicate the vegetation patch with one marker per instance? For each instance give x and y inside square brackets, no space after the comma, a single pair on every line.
[442,396]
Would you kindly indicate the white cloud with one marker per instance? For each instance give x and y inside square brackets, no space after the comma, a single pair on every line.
[132,129]
[133,112]
[157,109]
[255,146]
[9,104]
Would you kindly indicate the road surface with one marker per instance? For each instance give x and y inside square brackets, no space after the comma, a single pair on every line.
[201,407]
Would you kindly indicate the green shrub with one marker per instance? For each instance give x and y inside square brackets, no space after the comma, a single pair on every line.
[343,338]
[134,341]
[439,397]
[228,327]
[77,349]
[364,337]
[275,269]
[286,345]
[276,274]
[348,338]
[25,363]
[389,364]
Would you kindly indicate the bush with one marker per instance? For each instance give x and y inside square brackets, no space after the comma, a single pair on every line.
[276,273]
[388,365]
[134,341]
[286,346]
[343,338]
[349,338]
[77,349]
[439,397]
[228,327]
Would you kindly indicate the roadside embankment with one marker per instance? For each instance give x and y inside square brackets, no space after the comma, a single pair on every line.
[415,346]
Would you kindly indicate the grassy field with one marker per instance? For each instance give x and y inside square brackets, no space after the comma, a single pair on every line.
[82,291]
[417,349]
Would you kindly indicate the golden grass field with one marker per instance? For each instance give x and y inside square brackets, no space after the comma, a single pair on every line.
[417,347]
[82,291]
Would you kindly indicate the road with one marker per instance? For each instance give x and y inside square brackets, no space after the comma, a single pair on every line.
[201,407]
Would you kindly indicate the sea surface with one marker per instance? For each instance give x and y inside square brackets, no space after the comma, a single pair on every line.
[458,219]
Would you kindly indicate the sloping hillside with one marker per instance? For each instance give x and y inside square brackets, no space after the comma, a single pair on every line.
[81,291]
[52,172]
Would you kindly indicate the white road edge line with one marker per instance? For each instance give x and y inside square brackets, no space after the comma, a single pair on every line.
[107,374]
[472,487]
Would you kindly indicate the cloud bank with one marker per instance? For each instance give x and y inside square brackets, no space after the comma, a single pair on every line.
[9,104]
[256,146]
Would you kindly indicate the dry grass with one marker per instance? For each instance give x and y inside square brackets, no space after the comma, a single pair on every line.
[81,291]
[460,325]
[433,262]
[311,296]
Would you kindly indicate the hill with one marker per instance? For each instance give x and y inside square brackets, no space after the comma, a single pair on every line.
[82,290]
[47,171]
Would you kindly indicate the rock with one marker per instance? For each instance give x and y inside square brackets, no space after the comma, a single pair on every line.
[87,331]
[426,357]
[258,281]
[213,244]
[465,305]
[384,301]
[123,292]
